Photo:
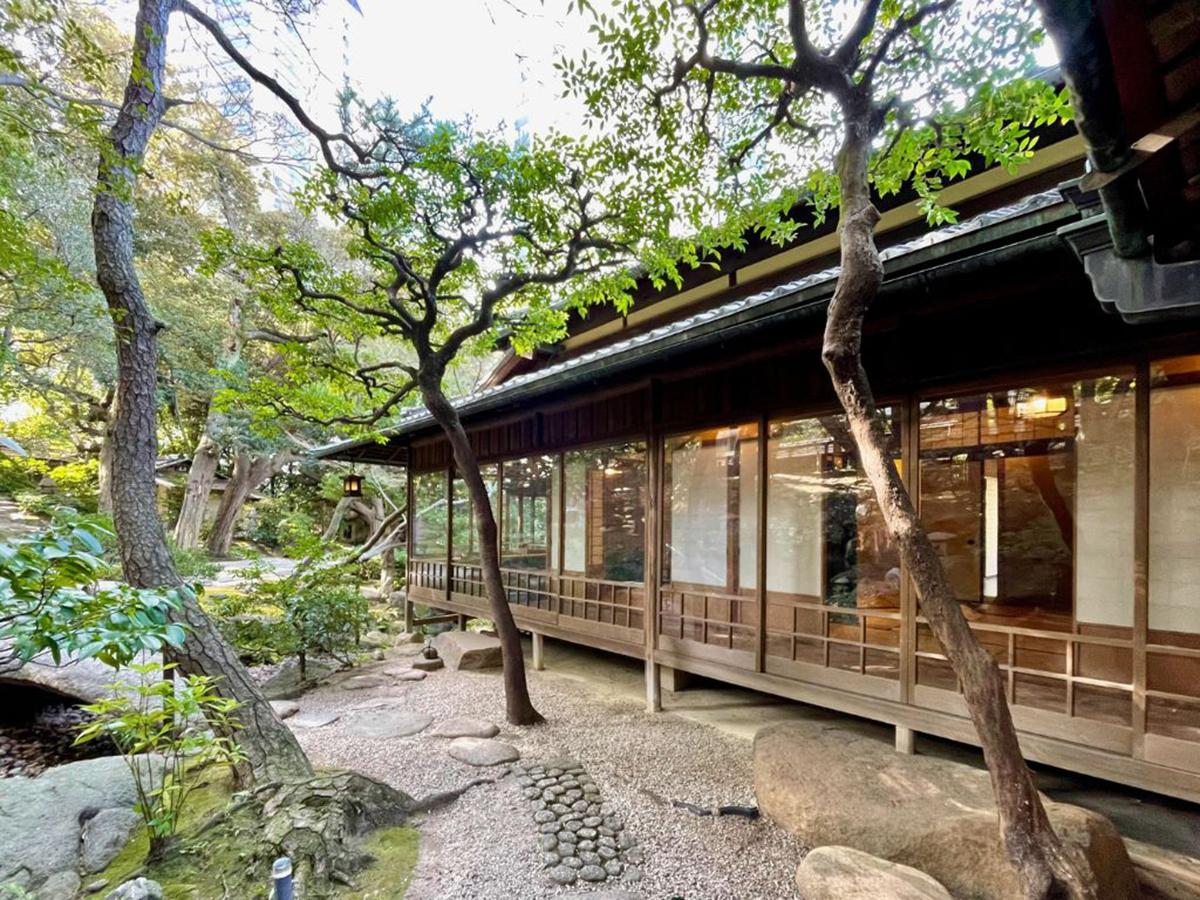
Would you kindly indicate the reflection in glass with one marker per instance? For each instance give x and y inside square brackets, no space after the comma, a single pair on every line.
[466,528]
[526,519]
[604,512]
[429,515]
[711,513]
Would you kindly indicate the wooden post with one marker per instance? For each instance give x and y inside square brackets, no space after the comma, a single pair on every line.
[539,658]
[760,571]
[462,622]
[1141,554]
[408,545]
[653,688]
[905,740]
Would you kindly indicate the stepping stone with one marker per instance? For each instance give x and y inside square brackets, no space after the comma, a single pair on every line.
[285,708]
[388,723]
[313,719]
[404,673]
[482,751]
[428,665]
[363,682]
[465,726]
[469,650]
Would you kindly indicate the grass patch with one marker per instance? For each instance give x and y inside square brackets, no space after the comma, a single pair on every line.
[218,864]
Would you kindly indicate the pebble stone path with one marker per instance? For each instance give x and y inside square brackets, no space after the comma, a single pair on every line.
[582,838]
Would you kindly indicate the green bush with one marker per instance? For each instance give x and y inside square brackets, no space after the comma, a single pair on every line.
[165,730]
[192,562]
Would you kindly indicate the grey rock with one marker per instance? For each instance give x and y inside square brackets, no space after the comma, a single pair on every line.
[632,874]
[588,858]
[613,867]
[561,762]
[564,850]
[104,835]
[843,873]
[544,816]
[607,853]
[95,887]
[550,828]
[559,810]
[609,895]
[138,889]
[59,886]
[572,861]
[40,830]
[482,751]
[88,680]
[593,821]
[634,855]
[574,825]
[286,684]
[465,726]
[580,806]
[592,873]
[285,708]
[624,842]
[532,793]
[554,773]
[563,875]
[606,840]
[363,682]
[421,664]
[405,673]
[549,859]
[387,723]
[524,781]
[614,823]
[587,833]
[548,842]
[836,787]
[568,837]
[468,650]
[378,654]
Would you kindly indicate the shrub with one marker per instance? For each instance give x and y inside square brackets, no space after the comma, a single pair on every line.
[165,729]
[192,562]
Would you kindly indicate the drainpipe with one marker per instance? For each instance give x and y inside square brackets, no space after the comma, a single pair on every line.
[1086,64]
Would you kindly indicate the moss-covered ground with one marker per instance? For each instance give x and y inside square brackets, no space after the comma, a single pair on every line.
[217,863]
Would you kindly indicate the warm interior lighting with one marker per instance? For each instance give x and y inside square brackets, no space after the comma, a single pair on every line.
[352,485]
[1039,406]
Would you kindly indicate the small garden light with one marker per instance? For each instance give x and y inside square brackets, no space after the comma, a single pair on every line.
[352,485]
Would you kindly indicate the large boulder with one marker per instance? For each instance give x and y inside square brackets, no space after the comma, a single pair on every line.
[843,873]
[831,786]
[104,834]
[469,650]
[43,820]
[285,682]
[482,751]
[86,680]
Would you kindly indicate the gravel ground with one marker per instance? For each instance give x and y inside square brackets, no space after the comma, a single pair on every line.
[485,844]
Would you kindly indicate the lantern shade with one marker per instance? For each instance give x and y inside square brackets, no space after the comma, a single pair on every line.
[352,485]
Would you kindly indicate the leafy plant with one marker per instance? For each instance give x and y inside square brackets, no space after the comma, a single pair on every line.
[51,601]
[166,729]
[192,562]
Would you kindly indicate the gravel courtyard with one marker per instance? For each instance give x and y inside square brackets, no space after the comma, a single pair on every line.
[486,844]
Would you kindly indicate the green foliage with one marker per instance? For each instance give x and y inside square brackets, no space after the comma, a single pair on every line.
[50,601]
[165,728]
[192,562]
[952,88]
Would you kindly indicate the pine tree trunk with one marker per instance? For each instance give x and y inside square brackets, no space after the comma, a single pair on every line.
[1047,868]
[271,748]
[196,493]
[104,473]
[519,708]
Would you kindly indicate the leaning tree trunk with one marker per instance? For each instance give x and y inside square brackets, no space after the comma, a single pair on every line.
[271,748]
[519,708]
[249,472]
[1046,867]
[196,492]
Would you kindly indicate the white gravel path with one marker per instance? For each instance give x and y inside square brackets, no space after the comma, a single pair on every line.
[485,844]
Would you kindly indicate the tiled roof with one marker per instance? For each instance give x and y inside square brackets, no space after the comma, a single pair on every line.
[411,418]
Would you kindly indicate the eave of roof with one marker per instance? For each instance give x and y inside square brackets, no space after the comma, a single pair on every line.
[810,292]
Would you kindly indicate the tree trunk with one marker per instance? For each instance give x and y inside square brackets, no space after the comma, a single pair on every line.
[519,708]
[249,472]
[104,495]
[271,748]
[195,494]
[336,519]
[1046,867]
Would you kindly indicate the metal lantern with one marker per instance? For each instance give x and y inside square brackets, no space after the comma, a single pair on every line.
[352,485]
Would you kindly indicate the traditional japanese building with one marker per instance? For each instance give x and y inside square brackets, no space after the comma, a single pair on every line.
[678,485]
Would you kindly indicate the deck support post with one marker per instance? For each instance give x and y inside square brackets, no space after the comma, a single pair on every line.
[462,622]
[539,657]
[408,614]
[653,688]
[905,740]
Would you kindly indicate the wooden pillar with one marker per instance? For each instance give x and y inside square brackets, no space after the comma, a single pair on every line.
[539,651]
[408,545]
[449,526]
[462,622]
[905,740]
[760,569]
[653,688]
[1141,554]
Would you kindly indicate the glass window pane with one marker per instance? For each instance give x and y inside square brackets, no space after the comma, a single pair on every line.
[711,514]
[429,515]
[466,528]
[1174,548]
[604,512]
[525,531]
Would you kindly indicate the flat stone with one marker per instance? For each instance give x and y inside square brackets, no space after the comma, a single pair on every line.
[104,834]
[285,708]
[405,673]
[832,786]
[469,650]
[568,837]
[632,874]
[549,859]
[593,822]
[592,873]
[634,855]
[313,719]
[465,726]
[60,886]
[563,875]
[137,889]
[387,723]
[422,664]
[586,845]
[607,853]
[550,828]
[363,682]
[587,833]
[482,751]
[843,873]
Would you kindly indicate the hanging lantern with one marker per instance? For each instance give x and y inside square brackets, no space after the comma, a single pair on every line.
[352,485]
